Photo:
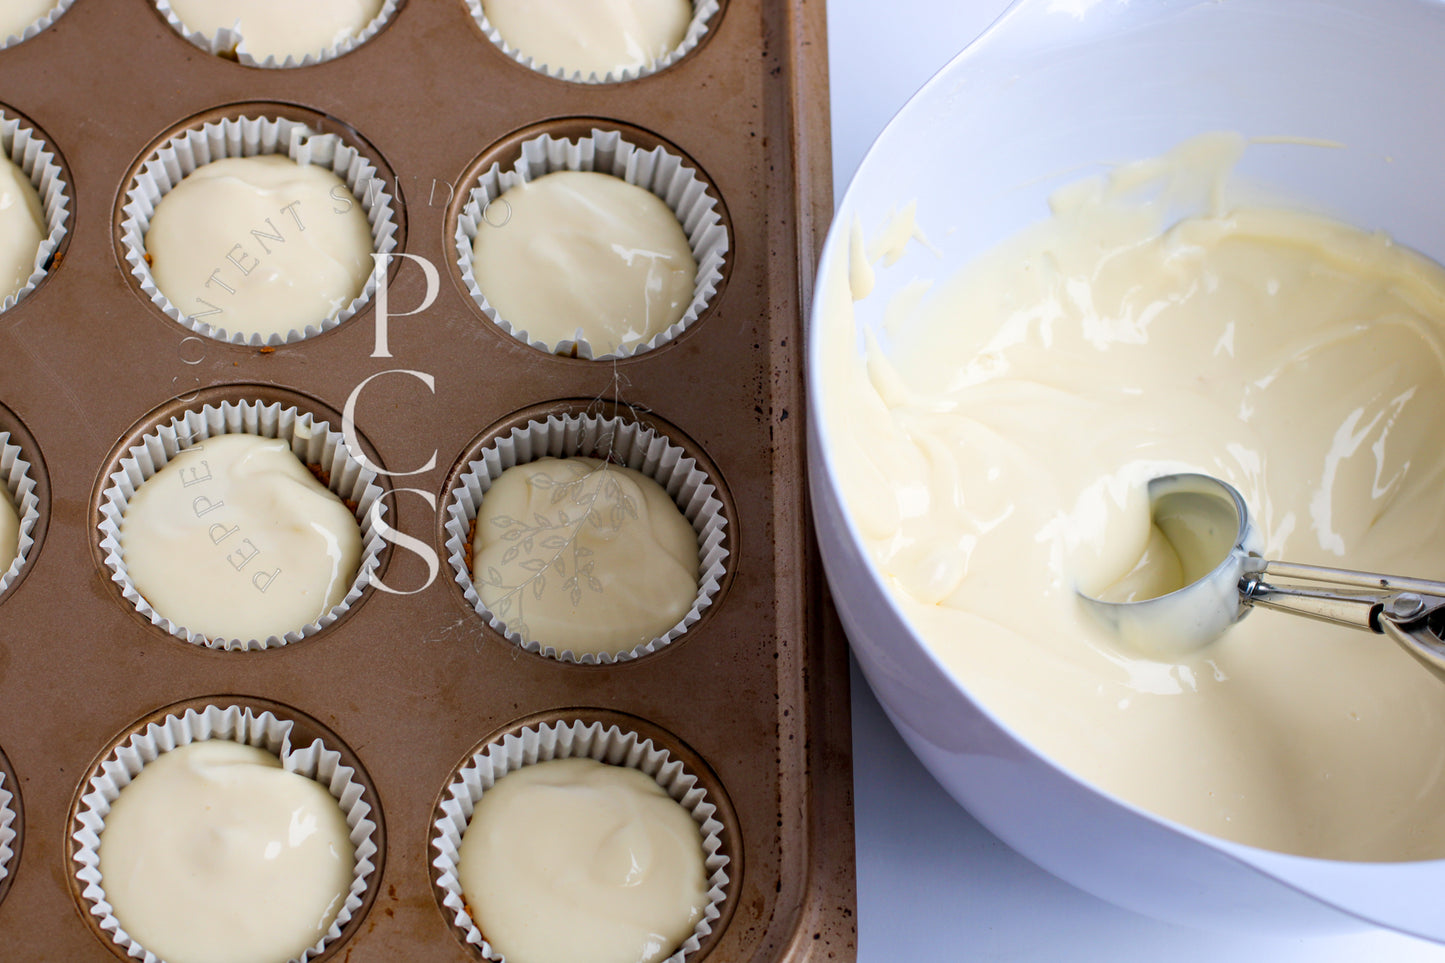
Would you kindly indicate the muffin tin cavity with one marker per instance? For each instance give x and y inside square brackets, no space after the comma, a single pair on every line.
[22,474]
[705,15]
[609,737]
[636,156]
[230,43]
[317,437]
[11,824]
[31,150]
[649,446]
[252,130]
[303,745]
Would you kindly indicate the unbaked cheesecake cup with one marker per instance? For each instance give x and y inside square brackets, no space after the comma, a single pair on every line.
[38,24]
[10,824]
[565,431]
[313,440]
[231,44]
[704,16]
[30,150]
[255,130]
[21,489]
[304,747]
[632,154]
[608,737]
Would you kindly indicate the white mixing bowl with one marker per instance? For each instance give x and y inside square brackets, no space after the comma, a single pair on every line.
[1055,90]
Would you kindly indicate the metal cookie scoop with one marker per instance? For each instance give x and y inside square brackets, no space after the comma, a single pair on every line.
[1207,524]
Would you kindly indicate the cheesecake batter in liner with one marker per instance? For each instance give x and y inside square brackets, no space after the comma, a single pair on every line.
[312,440]
[20,489]
[616,440]
[230,44]
[46,19]
[703,14]
[660,169]
[251,136]
[252,726]
[572,737]
[28,150]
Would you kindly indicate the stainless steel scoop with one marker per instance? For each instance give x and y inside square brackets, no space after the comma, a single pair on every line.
[1207,523]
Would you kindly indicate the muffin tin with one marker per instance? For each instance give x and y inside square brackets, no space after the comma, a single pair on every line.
[410,681]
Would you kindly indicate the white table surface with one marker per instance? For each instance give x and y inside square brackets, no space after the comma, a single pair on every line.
[933,885]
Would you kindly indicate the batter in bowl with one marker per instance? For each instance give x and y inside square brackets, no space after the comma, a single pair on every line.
[997,453]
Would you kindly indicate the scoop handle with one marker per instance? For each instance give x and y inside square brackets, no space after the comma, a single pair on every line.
[1381,584]
[1409,610]
[1356,609]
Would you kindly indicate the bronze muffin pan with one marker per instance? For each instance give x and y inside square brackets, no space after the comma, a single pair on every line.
[411,680]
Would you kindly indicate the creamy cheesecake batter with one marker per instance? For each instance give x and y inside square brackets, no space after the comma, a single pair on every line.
[16,15]
[22,227]
[260,245]
[995,458]
[215,854]
[575,861]
[281,28]
[234,538]
[577,251]
[591,36]
[9,533]
[583,555]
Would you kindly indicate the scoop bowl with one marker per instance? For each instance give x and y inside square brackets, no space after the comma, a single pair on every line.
[1207,523]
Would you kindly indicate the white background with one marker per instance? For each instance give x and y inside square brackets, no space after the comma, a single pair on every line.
[933,885]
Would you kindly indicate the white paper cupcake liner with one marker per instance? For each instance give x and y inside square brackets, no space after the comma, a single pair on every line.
[605,151]
[27,151]
[251,137]
[46,19]
[312,441]
[620,442]
[7,827]
[20,488]
[237,724]
[565,740]
[229,42]
[697,27]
